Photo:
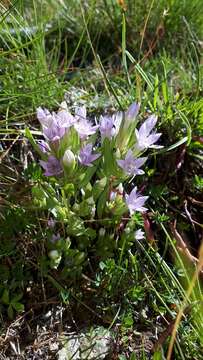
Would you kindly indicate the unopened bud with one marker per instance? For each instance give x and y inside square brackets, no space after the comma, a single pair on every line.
[102,232]
[54,254]
[69,160]
[127,230]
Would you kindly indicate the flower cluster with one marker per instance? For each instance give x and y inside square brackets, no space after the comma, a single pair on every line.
[111,146]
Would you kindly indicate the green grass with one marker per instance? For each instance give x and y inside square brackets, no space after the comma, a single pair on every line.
[99,55]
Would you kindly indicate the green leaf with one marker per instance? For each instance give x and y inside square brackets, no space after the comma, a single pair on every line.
[5,297]
[17,306]
[16,298]
[75,226]
[85,179]
[70,141]
[98,187]
[102,202]
[140,71]
[10,312]
[110,166]
[188,126]
[178,143]
[31,139]
[4,272]
[157,355]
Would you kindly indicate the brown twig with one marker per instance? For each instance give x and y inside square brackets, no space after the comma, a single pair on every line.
[182,246]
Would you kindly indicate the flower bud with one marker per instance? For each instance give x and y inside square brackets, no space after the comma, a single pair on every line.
[102,232]
[127,230]
[51,223]
[54,254]
[69,160]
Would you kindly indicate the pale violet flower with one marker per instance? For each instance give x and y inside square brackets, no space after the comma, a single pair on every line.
[82,125]
[139,234]
[86,157]
[85,128]
[107,127]
[52,166]
[44,147]
[129,116]
[131,165]
[110,125]
[117,120]
[54,125]
[51,223]
[113,195]
[135,201]
[54,131]
[146,139]
[80,113]
[55,238]
[131,113]
[65,119]
[44,116]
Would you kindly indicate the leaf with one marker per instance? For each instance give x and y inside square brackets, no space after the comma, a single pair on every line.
[31,139]
[188,127]
[98,187]
[140,70]
[87,176]
[10,312]
[17,306]
[110,166]
[102,202]
[16,298]
[71,141]
[157,355]
[5,297]
[4,272]
[75,226]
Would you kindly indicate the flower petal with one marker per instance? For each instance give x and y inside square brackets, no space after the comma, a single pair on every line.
[147,126]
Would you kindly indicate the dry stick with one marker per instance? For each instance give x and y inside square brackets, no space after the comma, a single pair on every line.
[145,26]
[183,306]
[183,247]
[8,150]
[196,202]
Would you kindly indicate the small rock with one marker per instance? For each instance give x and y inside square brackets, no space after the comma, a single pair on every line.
[90,344]
[70,349]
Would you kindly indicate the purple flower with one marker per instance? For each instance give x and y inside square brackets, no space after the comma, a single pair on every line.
[44,147]
[106,127]
[86,157]
[82,125]
[55,238]
[54,132]
[135,202]
[110,125]
[85,128]
[113,195]
[44,116]
[131,165]
[65,119]
[52,166]
[131,113]
[51,223]
[80,113]
[54,125]
[139,234]
[144,138]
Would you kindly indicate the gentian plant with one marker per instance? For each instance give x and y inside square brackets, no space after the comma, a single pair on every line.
[89,187]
